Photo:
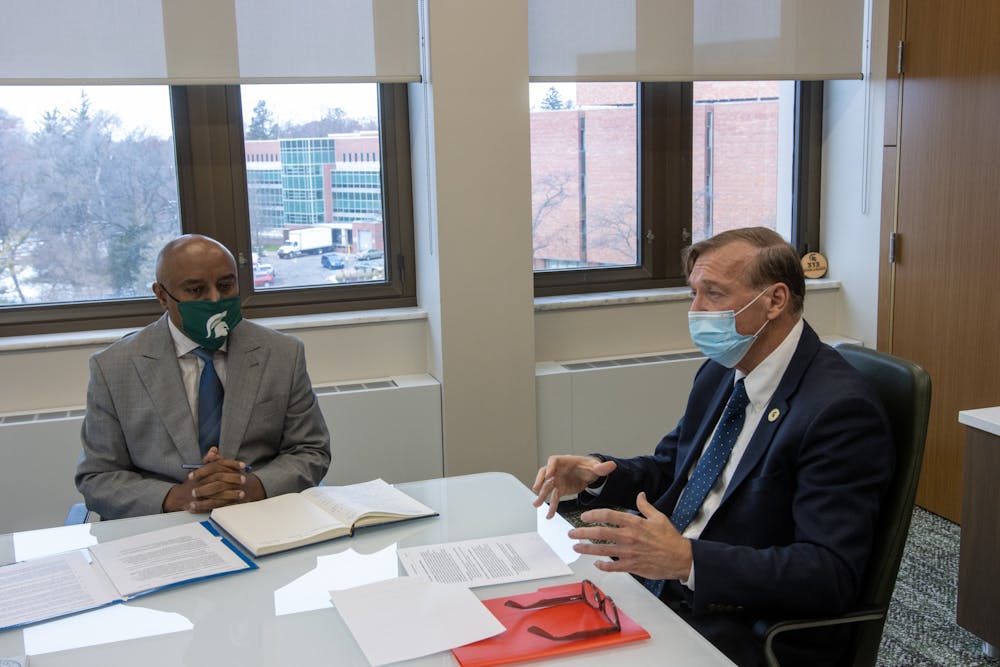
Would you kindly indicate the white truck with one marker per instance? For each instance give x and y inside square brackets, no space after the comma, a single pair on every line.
[307,241]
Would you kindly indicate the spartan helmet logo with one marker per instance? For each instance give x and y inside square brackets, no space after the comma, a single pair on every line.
[216,326]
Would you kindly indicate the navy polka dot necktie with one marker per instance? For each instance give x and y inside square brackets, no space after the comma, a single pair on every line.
[210,395]
[713,460]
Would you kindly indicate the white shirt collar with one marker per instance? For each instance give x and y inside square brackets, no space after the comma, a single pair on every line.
[763,380]
[182,344]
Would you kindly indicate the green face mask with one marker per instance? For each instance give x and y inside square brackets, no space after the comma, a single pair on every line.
[208,323]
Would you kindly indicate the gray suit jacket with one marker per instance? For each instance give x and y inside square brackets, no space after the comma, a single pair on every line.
[139,428]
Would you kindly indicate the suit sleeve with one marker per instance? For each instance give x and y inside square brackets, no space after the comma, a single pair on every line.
[106,476]
[844,462]
[651,474]
[303,456]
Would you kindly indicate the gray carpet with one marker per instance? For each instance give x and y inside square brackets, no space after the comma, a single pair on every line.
[921,628]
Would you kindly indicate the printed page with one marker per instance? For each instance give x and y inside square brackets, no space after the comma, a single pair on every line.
[348,503]
[163,557]
[494,560]
[43,588]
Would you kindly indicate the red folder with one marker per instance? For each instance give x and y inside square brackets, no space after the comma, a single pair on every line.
[517,644]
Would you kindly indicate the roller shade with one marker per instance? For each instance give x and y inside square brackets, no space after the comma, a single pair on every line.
[208,41]
[695,40]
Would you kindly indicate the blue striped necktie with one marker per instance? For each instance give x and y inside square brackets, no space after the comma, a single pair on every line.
[210,395]
[713,460]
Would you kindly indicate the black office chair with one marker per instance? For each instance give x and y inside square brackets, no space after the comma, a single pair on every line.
[905,390]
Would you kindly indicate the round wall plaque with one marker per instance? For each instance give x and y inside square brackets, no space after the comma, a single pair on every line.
[814,265]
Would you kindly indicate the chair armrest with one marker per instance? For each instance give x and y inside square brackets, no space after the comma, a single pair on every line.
[768,629]
[78,513]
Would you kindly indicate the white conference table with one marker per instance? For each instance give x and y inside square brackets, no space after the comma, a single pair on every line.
[281,614]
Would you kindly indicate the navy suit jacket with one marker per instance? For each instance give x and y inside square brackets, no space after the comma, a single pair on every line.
[795,527]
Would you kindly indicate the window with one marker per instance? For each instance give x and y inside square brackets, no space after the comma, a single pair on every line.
[89,195]
[625,175]
[88,192]
[307,204]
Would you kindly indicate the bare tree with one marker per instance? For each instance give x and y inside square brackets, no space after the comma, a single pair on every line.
[615,231]
[19,215]
[82,210]
[547,193]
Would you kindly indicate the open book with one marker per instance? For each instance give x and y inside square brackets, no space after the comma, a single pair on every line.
[315,515]
[52,586]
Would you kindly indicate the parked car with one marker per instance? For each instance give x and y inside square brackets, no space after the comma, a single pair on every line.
[263,274]
[370,254]
[332,262]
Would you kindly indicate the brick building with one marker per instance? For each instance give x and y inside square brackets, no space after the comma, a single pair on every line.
[584,171]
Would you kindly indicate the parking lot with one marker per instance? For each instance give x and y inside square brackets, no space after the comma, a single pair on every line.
[307,271]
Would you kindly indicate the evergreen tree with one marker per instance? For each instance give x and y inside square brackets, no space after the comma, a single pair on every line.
[262,125]
[553,100]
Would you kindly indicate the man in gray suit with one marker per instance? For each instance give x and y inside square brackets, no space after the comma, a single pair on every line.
[145,449]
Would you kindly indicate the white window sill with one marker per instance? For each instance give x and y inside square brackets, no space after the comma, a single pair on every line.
[325,320]
[108,336]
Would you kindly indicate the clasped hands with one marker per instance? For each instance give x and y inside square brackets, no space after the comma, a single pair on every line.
[646,545]
[218,482]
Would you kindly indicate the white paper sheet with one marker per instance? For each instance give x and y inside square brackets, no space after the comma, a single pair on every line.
[406,618]
[50,587]
[163,557]
[494,560]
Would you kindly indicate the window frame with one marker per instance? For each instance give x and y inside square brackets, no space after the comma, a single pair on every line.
[665,112]
[212,190]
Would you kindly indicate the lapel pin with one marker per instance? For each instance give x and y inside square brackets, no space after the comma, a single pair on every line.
[773,415]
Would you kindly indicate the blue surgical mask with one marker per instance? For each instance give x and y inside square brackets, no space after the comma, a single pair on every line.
[714,333]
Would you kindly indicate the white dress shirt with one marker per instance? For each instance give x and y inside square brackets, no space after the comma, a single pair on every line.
[760,385]
[191,366]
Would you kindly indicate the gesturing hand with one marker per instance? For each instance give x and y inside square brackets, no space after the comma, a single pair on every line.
[564,475]
[646,545]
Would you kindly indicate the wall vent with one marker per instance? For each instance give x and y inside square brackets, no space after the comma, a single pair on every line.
[356,386]
[630,361]
[42,416]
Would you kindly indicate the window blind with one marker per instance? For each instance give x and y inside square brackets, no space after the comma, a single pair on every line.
[695,40]
[209,41]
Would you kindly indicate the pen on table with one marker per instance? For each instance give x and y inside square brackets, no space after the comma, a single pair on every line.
[195,466]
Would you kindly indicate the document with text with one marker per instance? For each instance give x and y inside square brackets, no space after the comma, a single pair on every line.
[493,560]
[45,588]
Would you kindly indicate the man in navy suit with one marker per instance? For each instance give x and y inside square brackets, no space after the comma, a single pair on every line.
[785,528]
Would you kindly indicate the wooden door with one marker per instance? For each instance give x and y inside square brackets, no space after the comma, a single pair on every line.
[944,311]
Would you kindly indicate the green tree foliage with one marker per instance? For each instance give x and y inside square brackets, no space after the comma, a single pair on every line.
[262,125]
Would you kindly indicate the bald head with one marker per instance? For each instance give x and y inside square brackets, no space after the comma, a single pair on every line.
[193,268]
[198,247]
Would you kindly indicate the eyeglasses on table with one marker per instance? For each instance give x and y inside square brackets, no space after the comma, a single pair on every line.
[589,594]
